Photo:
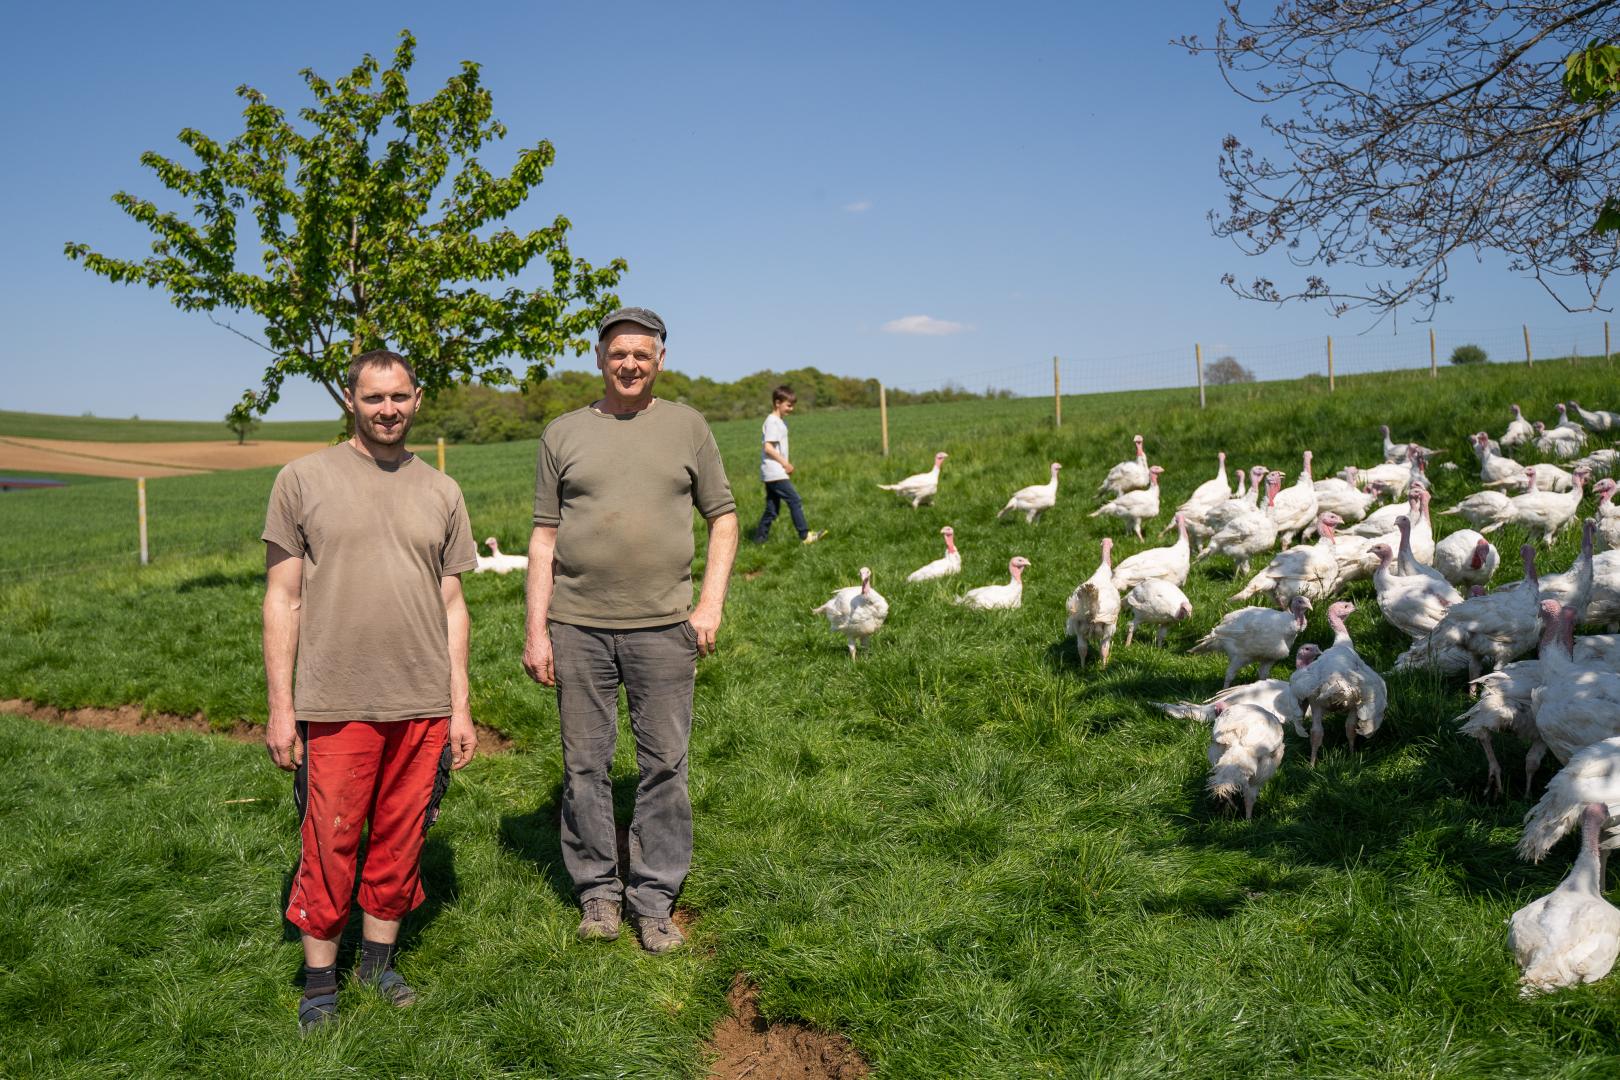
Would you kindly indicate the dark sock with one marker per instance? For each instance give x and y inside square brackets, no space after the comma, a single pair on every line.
[320,980]
[375,958]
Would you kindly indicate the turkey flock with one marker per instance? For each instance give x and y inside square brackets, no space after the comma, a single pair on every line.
[1295,548]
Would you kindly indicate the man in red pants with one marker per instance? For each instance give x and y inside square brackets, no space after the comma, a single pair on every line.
[364,545]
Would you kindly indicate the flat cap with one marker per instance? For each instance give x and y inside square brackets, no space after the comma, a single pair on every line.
[641,316]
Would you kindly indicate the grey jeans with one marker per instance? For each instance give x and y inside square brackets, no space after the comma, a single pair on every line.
[657,667]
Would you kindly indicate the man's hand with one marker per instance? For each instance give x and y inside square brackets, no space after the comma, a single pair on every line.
[281,739]
[537,659]
[706,621]
[463,740]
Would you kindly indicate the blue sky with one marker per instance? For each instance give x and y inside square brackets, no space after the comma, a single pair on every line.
[784,180]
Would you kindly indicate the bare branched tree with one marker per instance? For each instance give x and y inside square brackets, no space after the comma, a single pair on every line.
[1402,133]
[1227,371]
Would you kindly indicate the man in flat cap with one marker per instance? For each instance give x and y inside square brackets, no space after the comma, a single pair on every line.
[610,605]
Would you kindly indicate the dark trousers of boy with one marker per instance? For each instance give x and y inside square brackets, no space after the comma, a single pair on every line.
[778,492]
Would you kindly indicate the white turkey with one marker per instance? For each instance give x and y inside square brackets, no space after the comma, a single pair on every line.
[1608,515]
[1344,498]
[497,562]
[1575,585]
[921,487]
[1542,477]
[1255,635]
[1571,935]
[1295,507]
[1392,480]
[1206,496]
[1494,469]
[1127,475]
[1396,452]
[1311,571]
[1599,462]
[1168,564]
[1595,420]
[857,611]
[1413,604]
[1572,425]
[1486,511]
[1544,514]
[1381,522]
[1504,705]
[1340,682]
[1242,502]
[1559,442]
[1576,704]
[1248,533]
[1591,776]
[1093,609]
[1273,695]
[1466,558]
[1035,500]
[944,566]
[1245,749]
[1135,506]
[1156,603]
[998,597]
[1519,432]
[1482,633]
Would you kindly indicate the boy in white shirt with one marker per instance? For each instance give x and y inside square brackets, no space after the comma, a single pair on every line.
[774,470]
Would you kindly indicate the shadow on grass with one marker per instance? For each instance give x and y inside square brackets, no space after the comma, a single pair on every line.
[216,579]
[537,836]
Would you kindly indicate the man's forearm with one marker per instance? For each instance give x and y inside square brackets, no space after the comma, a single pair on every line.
[542,550]
[280,650]
[459,625]
[717,562]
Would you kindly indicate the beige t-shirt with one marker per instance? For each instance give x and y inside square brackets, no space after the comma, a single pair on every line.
[373,642]
[621,490]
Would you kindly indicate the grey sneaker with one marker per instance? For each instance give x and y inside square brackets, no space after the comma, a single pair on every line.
[814,535]
[601,921]
[658,935]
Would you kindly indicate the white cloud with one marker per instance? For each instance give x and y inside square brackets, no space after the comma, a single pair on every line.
[923,324]
[860,207]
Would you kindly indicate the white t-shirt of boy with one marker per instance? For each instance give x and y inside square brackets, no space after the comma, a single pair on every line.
[775,432]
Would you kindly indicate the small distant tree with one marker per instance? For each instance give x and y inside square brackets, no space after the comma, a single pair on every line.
[241,423]
[377,225]
[1226,371]
[1468,354]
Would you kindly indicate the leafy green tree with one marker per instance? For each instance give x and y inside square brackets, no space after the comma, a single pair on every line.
[377,227]
[1468,354]
[242,424]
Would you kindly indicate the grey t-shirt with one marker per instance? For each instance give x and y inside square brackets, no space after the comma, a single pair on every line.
[620,491]
[375,539]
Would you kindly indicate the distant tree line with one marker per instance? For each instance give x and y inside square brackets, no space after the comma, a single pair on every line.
[483,414]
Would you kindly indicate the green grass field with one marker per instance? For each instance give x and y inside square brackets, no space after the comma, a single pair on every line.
[29,425]
[963,852]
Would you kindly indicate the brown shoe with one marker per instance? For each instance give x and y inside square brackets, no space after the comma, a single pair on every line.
[601,921]
[658,935]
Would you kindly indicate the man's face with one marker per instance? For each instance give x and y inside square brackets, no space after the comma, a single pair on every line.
[630,359]
[384,404]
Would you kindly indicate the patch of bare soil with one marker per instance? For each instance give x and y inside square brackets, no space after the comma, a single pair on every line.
[133,720]
[86,458]
[748,1045]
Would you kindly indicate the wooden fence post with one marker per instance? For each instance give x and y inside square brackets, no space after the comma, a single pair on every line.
[1057,395]
[1529,361]
[441,453]
[1331,386]
[883,416]
[140,511]
[1434,367]
[1198,359]
[1605,341]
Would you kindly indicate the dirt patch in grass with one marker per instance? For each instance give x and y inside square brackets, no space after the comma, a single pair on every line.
[133,720]
[746,1044]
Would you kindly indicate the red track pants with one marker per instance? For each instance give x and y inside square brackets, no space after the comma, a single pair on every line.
[359,770]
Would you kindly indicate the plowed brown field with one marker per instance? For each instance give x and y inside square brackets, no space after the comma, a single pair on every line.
[143,459]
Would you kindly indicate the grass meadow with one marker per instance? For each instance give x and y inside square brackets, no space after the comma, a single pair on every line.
[963,852]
